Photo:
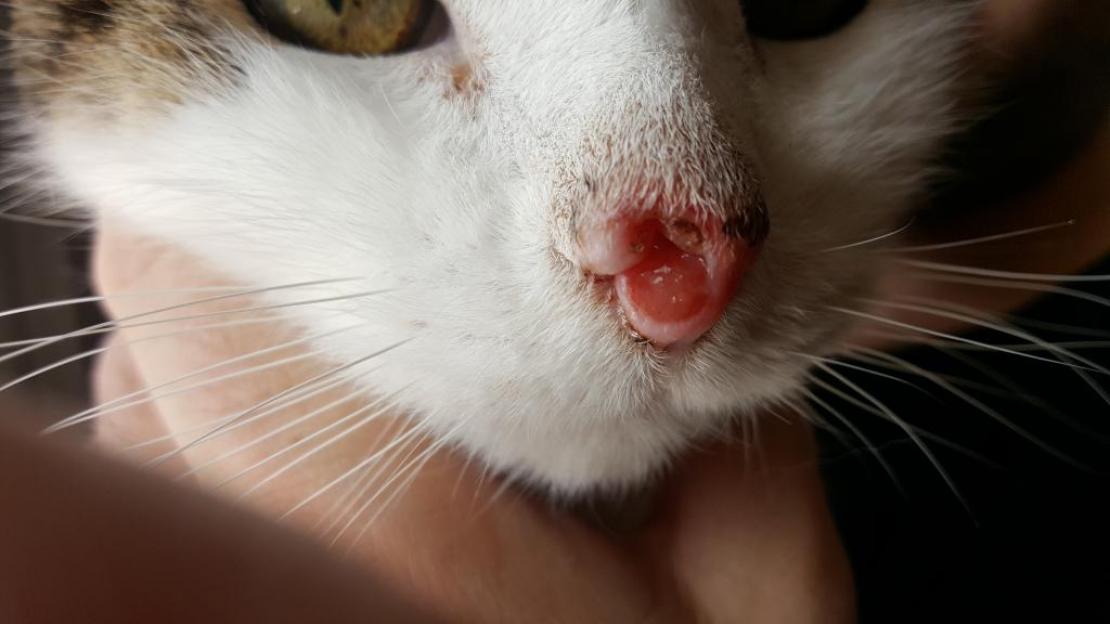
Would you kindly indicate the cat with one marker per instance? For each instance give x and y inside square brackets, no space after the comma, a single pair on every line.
[571,238]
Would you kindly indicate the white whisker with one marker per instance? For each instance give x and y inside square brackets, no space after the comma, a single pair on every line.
[300,420]
[835,413]
[1081,369]
[1013,275]
[413,467]
[979,406]
[873,239]
[97,351]
[346,503]
[924,433]
[94,413]
[124,322]
[145,395]
[348,473]
[400,458]
[123,295]
[287,402]
[197,328]
[902,424]
[1014,285]
[231,425]
[984,239]
[356,414]
[952,337]
[862,369]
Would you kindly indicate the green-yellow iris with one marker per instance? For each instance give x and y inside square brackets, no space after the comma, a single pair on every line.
[344,26]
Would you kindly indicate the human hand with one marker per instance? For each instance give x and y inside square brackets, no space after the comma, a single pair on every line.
[736,535]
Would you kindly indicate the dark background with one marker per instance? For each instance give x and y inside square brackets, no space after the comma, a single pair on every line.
[38,263]
[1034,537]
[1031,537]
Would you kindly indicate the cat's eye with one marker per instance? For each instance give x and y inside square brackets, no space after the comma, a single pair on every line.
[799,19]
[359,27]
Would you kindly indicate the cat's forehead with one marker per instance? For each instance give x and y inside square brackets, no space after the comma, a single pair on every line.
[599,43]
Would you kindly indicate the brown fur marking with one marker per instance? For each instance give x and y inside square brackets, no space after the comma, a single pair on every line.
[118,58]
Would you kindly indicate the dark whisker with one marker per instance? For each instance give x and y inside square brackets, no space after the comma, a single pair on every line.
[902,424]
[854,429]
[981,407]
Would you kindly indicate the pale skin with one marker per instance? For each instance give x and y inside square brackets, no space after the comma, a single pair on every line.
[738,534]
[449,541]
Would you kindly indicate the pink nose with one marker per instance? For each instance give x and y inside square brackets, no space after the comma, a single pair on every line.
[674,274]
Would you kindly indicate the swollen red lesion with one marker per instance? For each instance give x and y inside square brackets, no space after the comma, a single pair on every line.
[670,284]
[680,233]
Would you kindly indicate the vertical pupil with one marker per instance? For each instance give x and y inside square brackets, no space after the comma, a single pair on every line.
[336,5]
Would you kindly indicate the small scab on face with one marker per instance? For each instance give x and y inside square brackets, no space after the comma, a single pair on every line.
[460,75]
[464,81]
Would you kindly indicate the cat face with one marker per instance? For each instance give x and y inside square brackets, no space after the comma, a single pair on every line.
[438,198]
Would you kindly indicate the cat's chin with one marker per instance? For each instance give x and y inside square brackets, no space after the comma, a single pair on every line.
[566,464]
[563,475]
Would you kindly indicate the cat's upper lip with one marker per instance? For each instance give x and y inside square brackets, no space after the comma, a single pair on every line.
[673,275]
[603,288]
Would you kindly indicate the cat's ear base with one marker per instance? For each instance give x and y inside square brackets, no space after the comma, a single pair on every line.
[791,20]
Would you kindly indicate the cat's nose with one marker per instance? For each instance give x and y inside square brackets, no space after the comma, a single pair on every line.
[674,271]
